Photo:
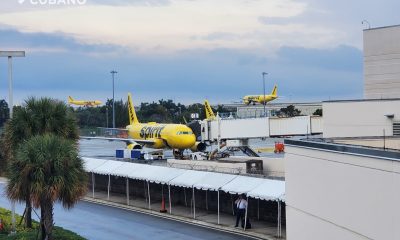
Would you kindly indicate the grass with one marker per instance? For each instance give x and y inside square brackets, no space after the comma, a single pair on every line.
[31,234]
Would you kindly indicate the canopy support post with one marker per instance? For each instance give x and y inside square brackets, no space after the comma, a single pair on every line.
[148,191]
[258,209]
[93,181]
[169,199]
[206,201]
[194,205]
[218,206]
[127,191]
[184,193]
[279,220]
[233,211]
[108,188]
[245,215]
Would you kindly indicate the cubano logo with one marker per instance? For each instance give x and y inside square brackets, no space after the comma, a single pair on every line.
[151,132]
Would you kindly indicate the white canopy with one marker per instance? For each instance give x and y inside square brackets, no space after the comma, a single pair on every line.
[107,167]
[127,169]
[269,190]
[260,188]
[188,178]
[242,184]
[156,174]
[91,163]
[213,181]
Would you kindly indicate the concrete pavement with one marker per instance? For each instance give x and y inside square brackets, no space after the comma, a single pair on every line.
[100,222]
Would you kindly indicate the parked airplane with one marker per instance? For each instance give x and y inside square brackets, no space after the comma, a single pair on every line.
[261,98]
[157,135]
[85,103]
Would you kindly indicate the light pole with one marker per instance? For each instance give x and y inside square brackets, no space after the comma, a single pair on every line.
[10,55]
[113,72]
[263,74]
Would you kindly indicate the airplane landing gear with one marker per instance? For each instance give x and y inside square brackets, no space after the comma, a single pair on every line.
[178,154]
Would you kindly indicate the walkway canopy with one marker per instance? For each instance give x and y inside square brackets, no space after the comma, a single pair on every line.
[269,190]
[107,167]
[214,181]
[259,188]
[243,184]
[90,165]
[188,178]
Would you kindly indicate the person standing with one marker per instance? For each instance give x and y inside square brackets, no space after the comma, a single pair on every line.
[241,204]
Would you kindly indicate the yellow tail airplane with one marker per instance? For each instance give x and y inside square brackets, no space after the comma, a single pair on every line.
[261,98]
[154,135]
[209,112]
[85,103]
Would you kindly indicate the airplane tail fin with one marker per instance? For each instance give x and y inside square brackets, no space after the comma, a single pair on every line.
[209,111]
[70,99]
[131,109]
[274,91]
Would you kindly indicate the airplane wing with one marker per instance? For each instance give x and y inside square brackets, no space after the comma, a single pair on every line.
[126,140]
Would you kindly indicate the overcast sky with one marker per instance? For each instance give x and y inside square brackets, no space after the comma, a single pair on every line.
[189,50]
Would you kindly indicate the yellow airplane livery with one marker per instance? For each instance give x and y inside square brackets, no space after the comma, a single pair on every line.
[209,112]
[86,103]
[154,135]
[261,98]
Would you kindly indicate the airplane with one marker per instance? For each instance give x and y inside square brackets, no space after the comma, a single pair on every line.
[85,103]
[160,135]
[261,98]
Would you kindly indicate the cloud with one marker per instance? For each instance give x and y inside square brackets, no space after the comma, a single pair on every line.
[170,26]
[149,3]
[50,42]
[221,75]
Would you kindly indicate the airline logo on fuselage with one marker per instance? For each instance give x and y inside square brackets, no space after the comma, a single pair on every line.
[151,132]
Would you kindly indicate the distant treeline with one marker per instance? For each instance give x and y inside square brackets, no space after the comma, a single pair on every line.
[163,111]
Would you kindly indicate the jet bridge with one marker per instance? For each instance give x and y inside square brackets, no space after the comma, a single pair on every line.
[264,127]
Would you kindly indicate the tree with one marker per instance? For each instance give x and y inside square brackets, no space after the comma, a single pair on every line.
[49,165]
[290,111]
[318,112]
[37,117]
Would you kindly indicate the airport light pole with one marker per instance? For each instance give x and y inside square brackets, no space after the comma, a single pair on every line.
[263,74]
[10,55]
[113,72]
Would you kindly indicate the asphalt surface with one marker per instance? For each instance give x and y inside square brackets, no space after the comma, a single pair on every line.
[99,222]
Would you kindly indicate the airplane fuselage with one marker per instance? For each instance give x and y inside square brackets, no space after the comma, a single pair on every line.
[85,103]
[174,136]
[258,99]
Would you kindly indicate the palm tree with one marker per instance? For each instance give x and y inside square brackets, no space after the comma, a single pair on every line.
[35,117]
[51,166]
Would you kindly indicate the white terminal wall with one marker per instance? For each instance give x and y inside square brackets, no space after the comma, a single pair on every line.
[334,196]
[359,118]
[382,62]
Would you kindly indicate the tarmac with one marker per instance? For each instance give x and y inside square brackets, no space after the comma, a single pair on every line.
[208,219]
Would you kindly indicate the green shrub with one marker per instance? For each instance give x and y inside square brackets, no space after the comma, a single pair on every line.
[31,234]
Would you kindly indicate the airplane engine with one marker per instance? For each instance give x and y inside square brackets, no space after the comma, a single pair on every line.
[198,147]
[134,146]
[158,143]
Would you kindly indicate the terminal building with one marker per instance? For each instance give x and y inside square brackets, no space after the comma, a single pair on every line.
[382,62]
[345,185]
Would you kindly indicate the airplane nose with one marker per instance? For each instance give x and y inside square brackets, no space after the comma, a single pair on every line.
[189,141]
